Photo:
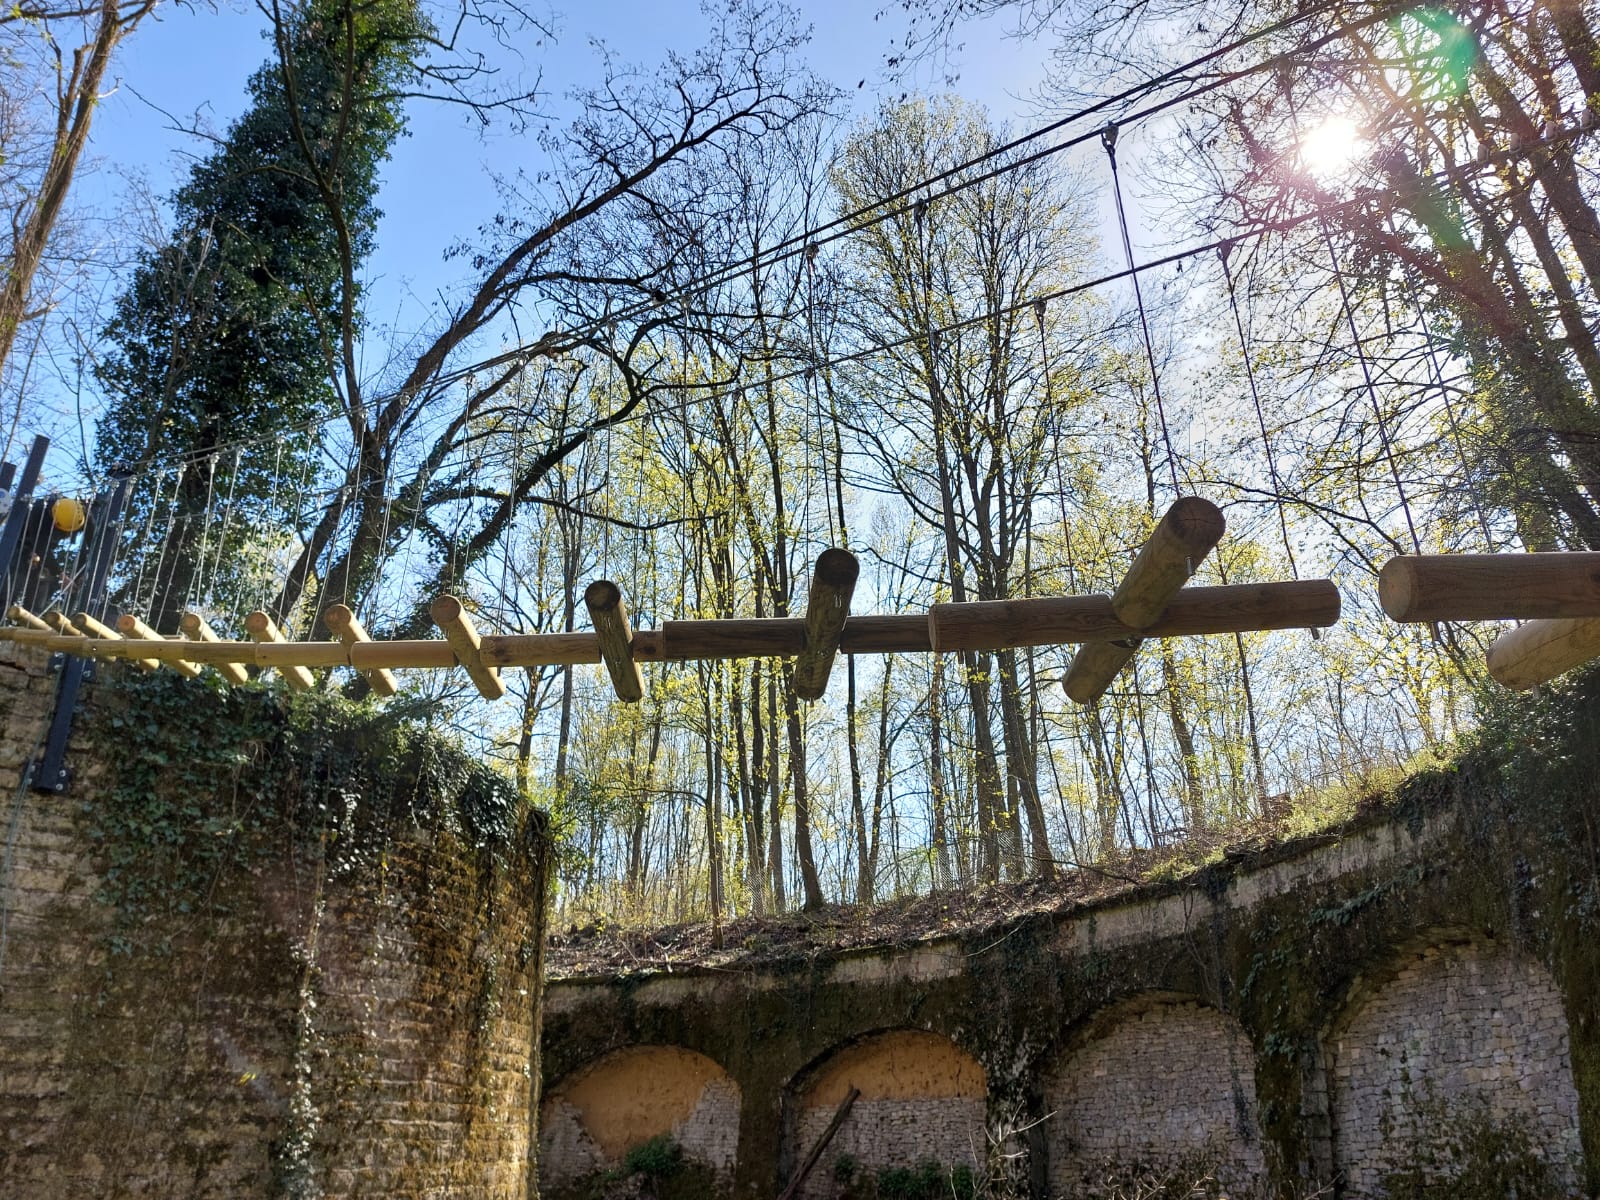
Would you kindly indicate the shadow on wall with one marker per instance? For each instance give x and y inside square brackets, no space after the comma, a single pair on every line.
[1155,1087]
[1456,1066]
[647,1113]
[917,1123]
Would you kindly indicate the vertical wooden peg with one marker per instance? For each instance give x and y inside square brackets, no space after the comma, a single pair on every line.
[449,615]
[348,630]
[833,581]
[610,617]
[196,630]
[263,628]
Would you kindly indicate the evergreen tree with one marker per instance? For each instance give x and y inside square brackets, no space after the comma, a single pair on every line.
[231,328]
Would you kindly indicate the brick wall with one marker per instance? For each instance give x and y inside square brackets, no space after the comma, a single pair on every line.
[303,1024]
[1460,1032]
[591,1120]
[1158,1086]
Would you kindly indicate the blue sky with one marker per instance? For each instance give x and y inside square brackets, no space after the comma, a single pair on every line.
[194,63]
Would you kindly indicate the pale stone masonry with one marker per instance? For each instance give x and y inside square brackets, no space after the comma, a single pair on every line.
[1459,1030]
[1162,1085]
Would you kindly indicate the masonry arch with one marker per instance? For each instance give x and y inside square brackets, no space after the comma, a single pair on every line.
[1152,1087]
[597,1114]
[922,1101]
[1455,1051]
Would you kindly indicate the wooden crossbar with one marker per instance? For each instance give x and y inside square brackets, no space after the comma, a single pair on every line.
[1186,533]
[983,625]
[350,631]
[134,630]
[196,630]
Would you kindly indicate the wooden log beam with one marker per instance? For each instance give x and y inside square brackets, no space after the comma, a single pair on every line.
[1490,587]
[344,625]
[58,621]
[1537,652]
[449,615]
[833,581]
[1186,533]
[542,649]
[265,632]
[194,628]
[610,616]
[132,628]
[1057,620]
[100,631]
[26,619]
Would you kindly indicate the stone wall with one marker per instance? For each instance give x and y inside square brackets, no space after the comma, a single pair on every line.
[265,980]
[920,1102]
[591,1121]
[1156,1088]
[1287,1022]
[1461,1032]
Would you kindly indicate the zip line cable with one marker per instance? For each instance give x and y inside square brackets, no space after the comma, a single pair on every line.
[886,208]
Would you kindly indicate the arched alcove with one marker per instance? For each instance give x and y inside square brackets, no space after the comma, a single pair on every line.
[591,1120]
[1151,1087]
[1457,1056]
[922,1100]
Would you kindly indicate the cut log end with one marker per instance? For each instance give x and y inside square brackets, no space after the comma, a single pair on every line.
[602,596]
[1198,523]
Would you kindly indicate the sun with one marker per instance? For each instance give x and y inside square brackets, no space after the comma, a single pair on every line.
[1330,150]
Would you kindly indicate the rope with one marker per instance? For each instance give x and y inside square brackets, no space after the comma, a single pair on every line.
[1108,139]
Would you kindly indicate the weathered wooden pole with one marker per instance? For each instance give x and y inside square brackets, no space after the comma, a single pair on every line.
[1490,587]
[1537,652]
[94,628]
[1186,533]
[131,628]
[194,628]
[1059,620]
[344,626]
[265,632]
[449,615]
[610,616]
[833,581]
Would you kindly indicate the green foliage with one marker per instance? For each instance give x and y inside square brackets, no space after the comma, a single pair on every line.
[658,1158]
[929,1180]
[212,779]
[231,325]
[1466,1152]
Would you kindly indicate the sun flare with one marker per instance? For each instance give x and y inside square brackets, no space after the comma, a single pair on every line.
[1331,149]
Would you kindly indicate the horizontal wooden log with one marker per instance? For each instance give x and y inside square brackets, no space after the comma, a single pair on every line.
[603,599]
[1539,651]
[833,582]
[265,632]
[450,615]
[1059,620]
[132,629]
[196,630]
[886,634]
[429,652]
[344,625]
[542,649]
[1490,587]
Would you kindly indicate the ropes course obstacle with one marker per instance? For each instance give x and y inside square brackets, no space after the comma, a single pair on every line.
[1555,594]
[1153,601]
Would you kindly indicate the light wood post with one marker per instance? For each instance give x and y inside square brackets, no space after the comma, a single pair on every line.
[610,616]
[1537,652]
[100,630]
[58,621]
[264,631]
[833,581]
[348,630]
[196,630]
[449,615]
[1490,587]
[131,627]
[1188,531]
[1058,620]
[25,618]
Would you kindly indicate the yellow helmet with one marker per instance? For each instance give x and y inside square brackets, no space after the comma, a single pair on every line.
[69,514]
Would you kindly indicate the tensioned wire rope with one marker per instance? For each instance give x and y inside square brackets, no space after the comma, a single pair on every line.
[898,203]
[1232,241]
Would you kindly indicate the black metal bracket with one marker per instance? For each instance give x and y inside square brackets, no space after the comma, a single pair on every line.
[51,773]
